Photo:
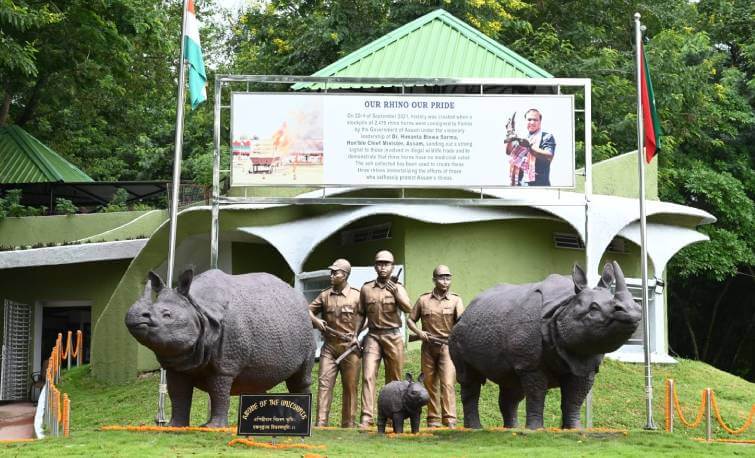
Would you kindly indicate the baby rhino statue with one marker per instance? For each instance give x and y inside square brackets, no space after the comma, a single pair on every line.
[399,400]
[224,334]
[528,338]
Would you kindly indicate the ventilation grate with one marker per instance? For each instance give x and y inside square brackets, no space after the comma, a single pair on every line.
[571,241]
[366,234]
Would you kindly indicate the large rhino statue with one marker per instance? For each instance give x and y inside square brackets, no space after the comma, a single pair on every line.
[224,334]
[528,338]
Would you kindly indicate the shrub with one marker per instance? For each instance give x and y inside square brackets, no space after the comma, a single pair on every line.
[64,206]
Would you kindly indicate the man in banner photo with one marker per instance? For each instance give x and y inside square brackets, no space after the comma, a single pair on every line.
[193,55]
[539,145]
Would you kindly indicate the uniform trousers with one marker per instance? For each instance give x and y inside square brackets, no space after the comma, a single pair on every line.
[440,380]
[349,369]
[386,345]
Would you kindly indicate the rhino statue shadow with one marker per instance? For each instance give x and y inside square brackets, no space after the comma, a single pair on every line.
[532,337]
[226,335]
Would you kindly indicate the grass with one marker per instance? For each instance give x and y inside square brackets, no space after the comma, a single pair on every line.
[618,403]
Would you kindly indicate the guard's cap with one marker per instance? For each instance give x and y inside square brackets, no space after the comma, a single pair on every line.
[441,270]
[341,264]
[384,255]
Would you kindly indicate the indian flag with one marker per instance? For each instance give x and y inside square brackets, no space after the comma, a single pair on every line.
[650,120]
[193,55]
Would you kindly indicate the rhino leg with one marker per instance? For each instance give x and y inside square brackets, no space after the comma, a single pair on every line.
[414,420]
[470,398]
[301,380]
[574,389]
[398,423]
[219,389]
[471,381]
[508,402]
[535,385]
[180,390]
[381,421]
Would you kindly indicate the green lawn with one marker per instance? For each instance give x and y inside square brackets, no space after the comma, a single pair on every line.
[618,404]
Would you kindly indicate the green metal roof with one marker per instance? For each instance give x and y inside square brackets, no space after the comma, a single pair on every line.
[436,45]
[24,159]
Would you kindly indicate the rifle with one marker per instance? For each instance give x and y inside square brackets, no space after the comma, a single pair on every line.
[356,347]
[437,340]
[394,278]
[340,335]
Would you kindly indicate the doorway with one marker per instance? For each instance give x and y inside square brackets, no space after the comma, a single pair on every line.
[55,317]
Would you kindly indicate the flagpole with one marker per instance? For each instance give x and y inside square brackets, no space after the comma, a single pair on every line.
[163,389]
[649,424]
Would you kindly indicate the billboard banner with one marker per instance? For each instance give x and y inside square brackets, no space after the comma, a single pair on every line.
[433,141]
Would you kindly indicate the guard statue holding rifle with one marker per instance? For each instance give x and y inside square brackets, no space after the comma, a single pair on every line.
[383,300]
[439,310]
[342,316]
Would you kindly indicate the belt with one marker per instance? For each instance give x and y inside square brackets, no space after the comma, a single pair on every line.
[385,330]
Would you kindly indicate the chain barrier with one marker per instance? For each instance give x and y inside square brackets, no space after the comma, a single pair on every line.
[708,404]
[721,422]
[57,417]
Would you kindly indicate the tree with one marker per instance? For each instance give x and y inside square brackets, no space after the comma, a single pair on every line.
[17,51]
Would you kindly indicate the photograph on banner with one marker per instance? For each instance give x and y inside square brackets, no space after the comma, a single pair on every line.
[434,141]
[276,140]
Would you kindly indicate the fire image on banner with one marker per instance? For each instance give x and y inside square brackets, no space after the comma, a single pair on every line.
[277,141]
[432,141]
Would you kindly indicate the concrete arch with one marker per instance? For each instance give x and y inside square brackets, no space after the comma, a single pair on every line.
[296,240]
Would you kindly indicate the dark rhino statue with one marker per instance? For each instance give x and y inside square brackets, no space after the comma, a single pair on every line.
[529,338]
[226,335]
[402,399]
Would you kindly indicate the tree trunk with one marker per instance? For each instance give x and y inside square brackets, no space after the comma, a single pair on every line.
[5,110]
[712,322]
[31,105]
[741,343]
[691,333]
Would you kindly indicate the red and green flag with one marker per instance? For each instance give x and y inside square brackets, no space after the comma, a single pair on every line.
[650,120]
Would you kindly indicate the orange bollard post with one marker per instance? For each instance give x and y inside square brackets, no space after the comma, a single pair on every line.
[69,346]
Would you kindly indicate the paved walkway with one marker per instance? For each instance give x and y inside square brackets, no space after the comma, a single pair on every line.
[17,420]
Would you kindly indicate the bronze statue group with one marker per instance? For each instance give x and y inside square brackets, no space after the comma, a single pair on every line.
[242,334]
[345,312]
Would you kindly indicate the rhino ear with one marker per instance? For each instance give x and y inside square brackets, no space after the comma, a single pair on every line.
[184,282]
[421,378]
[409,377]
[156,281]
[607,277]
[579,277]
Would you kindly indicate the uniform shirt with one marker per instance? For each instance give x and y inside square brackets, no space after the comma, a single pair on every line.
[341,311]
[380,305]
[438,313]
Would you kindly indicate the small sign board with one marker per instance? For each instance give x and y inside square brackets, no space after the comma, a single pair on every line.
[275,415]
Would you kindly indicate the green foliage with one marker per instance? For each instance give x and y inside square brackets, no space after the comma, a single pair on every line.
[118,203]
[17,52]
[296,37]
[64,206]
[10,205]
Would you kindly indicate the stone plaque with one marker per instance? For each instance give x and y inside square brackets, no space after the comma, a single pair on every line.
[275,415]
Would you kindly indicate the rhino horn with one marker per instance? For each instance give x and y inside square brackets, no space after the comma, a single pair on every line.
[607,277]
[147,294]
[621,284]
